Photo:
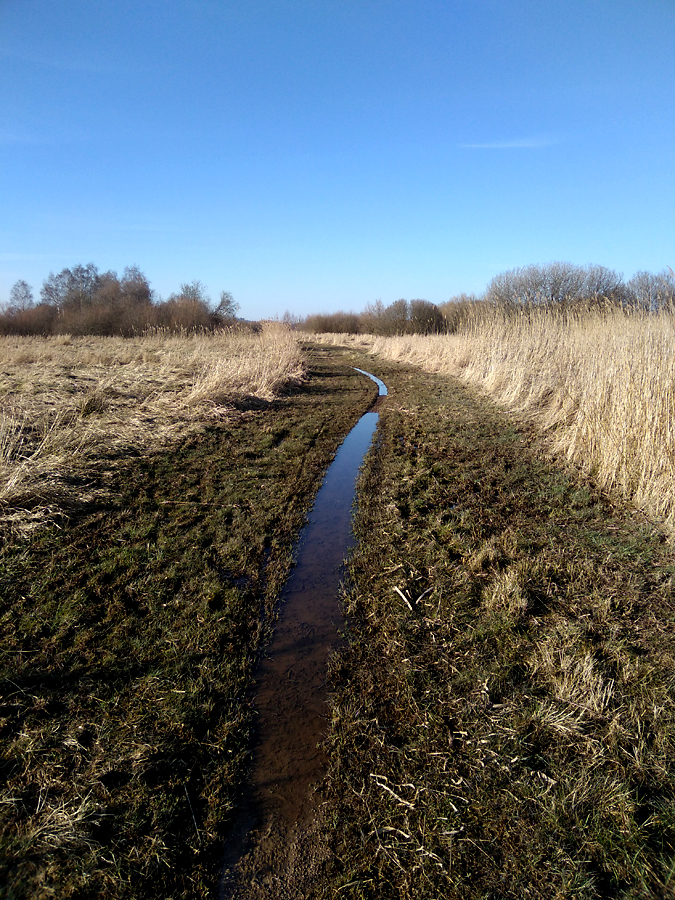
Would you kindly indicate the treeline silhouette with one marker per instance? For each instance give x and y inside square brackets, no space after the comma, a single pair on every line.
[554,285]
[400,317]
[82,300]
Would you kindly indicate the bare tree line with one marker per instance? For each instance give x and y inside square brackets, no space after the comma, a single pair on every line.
[565,283]
[83,300]
[554,285]
[400,317]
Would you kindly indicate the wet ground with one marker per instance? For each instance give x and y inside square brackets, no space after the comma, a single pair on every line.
[277,846]
[133,628]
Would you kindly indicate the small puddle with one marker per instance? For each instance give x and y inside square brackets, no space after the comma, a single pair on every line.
[291,697]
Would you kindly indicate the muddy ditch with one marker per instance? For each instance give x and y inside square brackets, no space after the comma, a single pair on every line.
[274,847]
[502,717]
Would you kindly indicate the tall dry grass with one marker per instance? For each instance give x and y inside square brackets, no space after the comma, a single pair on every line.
[600,383]
[71,406]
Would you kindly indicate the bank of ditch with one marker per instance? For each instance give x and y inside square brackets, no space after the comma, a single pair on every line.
[502,717]
[129,635]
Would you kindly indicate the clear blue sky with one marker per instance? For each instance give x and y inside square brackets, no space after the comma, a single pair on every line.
[312,155]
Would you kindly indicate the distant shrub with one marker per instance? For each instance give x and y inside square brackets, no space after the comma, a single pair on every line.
[332,323]
[184,314]
[557,283]
[402,317]
[425,318]
[652,292]
[37,320]
[83,301]
[459,310]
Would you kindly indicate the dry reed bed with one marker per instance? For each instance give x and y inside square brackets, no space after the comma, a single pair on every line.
[71,405]
[601,384]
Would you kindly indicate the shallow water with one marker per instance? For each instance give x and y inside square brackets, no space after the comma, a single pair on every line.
[291,696]
[380,384]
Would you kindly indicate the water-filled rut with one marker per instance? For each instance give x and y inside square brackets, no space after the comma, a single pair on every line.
[291,694]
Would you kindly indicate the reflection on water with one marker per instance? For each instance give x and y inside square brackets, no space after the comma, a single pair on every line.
[381,385]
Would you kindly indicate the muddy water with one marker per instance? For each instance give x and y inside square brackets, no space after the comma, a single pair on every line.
[273,850]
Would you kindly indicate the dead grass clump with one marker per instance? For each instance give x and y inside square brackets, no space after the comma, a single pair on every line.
[70,405]
[570,672]
[506,592]
[60,824]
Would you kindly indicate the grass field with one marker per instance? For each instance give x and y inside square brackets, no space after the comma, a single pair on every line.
[71,406]
[129,634]
[503,720]
[502,715]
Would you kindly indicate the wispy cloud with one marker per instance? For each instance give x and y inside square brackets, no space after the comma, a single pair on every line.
[45,58]
[43,134]
[531,143]
[25,257]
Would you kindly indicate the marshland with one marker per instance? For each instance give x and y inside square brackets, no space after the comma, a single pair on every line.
[501,706]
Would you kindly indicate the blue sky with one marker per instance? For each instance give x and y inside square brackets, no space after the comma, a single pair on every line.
[312,155]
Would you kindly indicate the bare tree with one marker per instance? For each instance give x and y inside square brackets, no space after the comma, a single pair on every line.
[55,288]
[194,291]
[135,286]
[188,310]
[555,283]
[20,297]
[73,287]
[372,316]
[228,307]
[603,284]
[395,318]
[425,318]
[652,292]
